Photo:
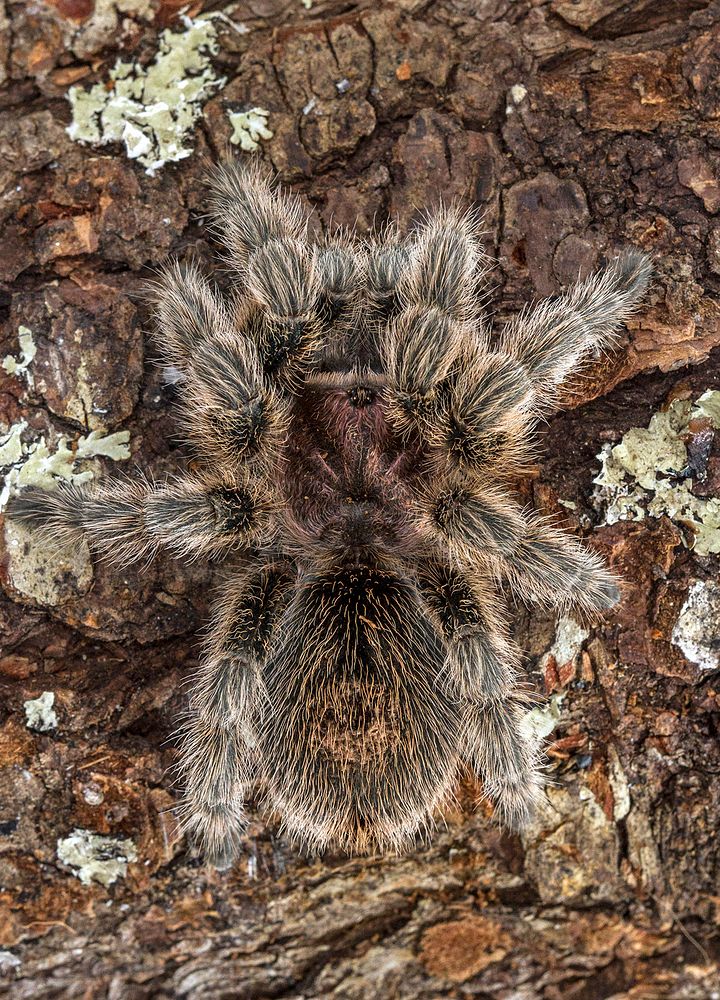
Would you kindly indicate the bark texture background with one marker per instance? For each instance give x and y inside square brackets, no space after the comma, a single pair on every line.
[578,126]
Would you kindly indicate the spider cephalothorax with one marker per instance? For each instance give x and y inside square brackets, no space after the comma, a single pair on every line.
[356,435]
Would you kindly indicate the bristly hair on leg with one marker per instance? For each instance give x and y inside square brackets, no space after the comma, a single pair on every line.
[357,440]
[555,338]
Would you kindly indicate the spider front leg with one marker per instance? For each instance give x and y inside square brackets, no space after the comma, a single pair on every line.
[231,414]
[487,414]
[280,301]
[126,521]
[216,762]
[553,338]
[484,418]
[424,341]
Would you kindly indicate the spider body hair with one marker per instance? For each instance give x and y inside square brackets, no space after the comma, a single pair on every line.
[356,436]
[369,765]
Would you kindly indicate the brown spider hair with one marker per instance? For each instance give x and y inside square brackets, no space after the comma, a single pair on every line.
[356,435]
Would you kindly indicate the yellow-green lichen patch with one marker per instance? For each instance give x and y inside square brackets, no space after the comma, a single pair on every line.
[152,109]
[249,127]
[697,627]
[40,714]
[648,473]
[28,349]
[34,463]
[95,857]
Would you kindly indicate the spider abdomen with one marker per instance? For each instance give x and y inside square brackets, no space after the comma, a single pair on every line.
[360,743]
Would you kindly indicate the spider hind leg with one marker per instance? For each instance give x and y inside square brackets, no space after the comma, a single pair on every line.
[483,662]
[217,760]
[505,755]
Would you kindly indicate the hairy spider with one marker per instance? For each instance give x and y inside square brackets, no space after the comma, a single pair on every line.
[357,435]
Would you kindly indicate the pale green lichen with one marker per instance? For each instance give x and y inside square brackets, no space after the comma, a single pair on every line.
[28,350]
[697,627]
[96,444]
[249,127]
[646,474]
[152,109]
[11,445]
[568,642]
[33,463]
[40,714]
[542,720]
[47,573]
[96,858]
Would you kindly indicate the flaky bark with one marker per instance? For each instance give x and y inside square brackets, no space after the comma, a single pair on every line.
[577,128]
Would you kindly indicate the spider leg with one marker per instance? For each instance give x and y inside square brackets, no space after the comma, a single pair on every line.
[487,413]
[444,265]
[503,751]
[483,661]
[484,664]
[476,520]
[188,311]
[471,518]
[249,213]
[216,762]
[126,521]
[553,338]
[387,261]
[424,340]
[265,232]
[341,275]
[484,417]
[282,279]
[552,568]
[231,414]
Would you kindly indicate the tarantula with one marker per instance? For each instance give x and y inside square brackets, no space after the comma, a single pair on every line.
[356,436]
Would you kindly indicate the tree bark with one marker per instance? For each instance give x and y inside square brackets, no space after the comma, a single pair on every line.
[577,127]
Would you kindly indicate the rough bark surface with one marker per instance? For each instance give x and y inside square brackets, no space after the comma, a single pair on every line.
[578,126]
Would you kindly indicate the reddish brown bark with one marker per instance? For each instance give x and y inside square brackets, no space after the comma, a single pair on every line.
[577,127]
